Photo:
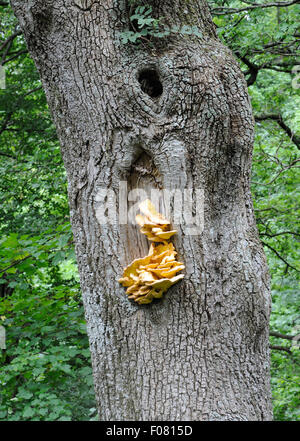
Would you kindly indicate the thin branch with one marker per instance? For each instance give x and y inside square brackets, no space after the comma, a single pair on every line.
[6,50]
[5,122]
[21,52]
[7,155]
[277,63]
[280,257]
[278,69]
[279,234]
[15,263]
[278,335]
[32,91]
[272,208]
[9,39]
[9,115]
[226,11]
[282,51]
[253,69]
[280,348]
[26,161]
[239,20]
[284,169]
[278,118]
[279,43]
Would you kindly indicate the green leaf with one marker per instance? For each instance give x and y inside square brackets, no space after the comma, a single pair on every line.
[28,412]
[25,394]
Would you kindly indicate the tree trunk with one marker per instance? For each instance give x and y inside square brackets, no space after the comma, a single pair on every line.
[172,114]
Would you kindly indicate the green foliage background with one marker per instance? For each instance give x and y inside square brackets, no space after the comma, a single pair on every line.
[45,371]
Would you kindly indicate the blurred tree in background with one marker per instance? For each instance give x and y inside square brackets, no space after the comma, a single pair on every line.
[45,371]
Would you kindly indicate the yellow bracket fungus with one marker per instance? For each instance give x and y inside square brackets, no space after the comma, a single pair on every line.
[151,276]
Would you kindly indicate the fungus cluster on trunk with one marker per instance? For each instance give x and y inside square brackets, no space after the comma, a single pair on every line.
[151,276]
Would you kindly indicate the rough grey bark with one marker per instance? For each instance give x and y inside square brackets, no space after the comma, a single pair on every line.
[200,353]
